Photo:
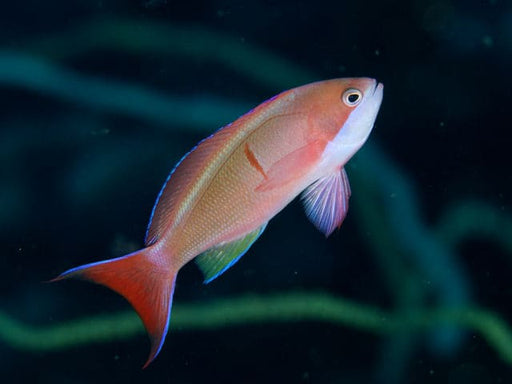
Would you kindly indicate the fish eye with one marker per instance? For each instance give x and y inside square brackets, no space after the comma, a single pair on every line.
[351,97]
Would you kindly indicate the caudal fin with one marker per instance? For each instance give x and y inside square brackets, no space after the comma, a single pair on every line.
[144,282]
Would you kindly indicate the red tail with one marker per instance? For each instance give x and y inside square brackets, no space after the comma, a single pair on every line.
[144,281]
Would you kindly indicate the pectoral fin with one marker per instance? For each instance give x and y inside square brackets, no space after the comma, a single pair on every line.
[292,166]
[326,201]
[218,259]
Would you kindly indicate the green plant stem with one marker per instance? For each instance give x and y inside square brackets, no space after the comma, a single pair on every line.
[249,309]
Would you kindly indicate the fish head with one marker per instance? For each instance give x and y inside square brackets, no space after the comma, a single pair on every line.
[349,107]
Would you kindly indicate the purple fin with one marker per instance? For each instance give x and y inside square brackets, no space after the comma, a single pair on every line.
[326,201]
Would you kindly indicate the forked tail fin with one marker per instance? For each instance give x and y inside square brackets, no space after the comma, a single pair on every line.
[144,281]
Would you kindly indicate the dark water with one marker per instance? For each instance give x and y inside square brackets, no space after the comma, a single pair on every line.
[99,99]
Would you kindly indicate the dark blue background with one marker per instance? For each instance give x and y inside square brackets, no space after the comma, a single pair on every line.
[78,181]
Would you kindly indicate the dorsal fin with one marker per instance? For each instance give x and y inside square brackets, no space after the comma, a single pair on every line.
[178,183]
[194,165]
[218,259]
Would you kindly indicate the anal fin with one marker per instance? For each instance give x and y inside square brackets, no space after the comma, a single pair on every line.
[219,258]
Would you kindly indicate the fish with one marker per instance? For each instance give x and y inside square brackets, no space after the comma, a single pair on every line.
[220,196]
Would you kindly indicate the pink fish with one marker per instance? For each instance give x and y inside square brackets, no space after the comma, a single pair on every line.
[218,199]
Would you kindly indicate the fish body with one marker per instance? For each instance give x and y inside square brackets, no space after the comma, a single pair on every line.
[219,198]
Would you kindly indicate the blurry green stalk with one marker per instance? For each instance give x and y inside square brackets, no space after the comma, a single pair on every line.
[249,309]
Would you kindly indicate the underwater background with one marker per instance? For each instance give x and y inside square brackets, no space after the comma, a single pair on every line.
[99,100]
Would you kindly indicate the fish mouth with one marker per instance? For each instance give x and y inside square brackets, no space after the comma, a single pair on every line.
[377,87]
[375,93]
[361,121]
